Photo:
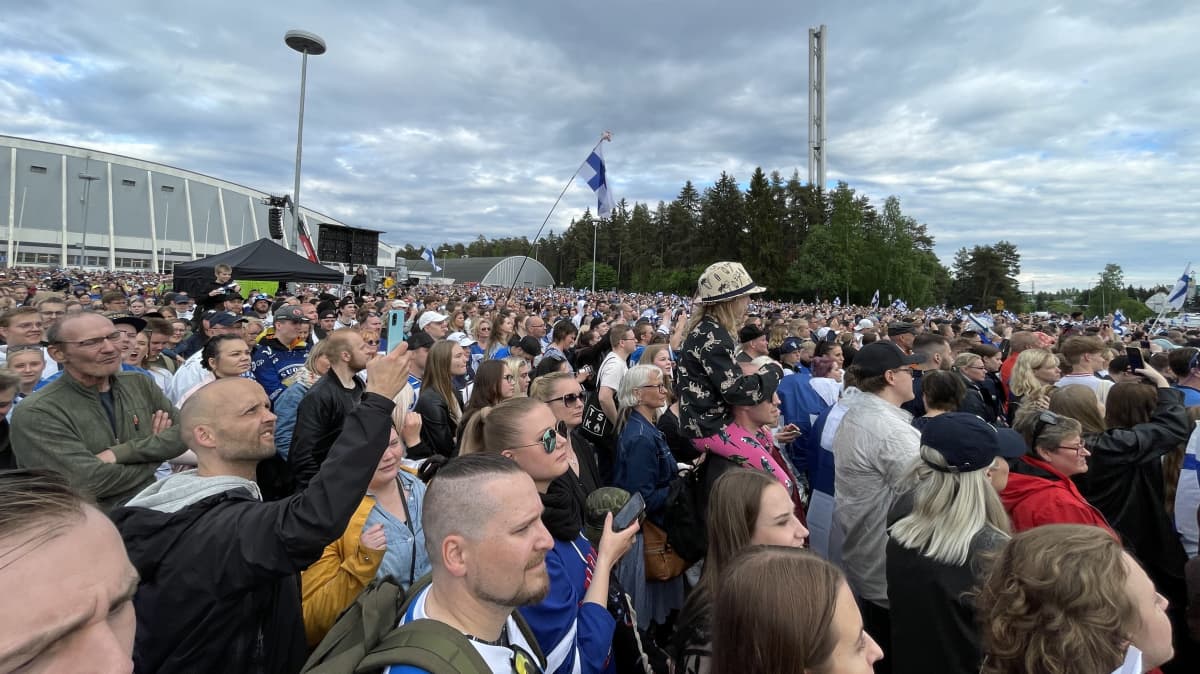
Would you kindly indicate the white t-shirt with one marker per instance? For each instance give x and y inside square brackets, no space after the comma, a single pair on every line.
[1099,386]
[612,370]
[498,658]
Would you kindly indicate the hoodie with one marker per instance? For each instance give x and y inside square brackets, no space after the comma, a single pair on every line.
[220,569]
[184,489]
[1038,494]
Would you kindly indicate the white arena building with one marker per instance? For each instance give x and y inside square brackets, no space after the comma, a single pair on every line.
[65,206]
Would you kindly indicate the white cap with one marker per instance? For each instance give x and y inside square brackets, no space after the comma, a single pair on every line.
[430,317]
[866,324]
[461,337]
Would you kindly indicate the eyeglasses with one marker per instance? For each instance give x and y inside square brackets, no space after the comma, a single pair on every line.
[570,399]
[1044,419]
[661,387]
[113,337]
[549,439]
[975,367]
[371,342]
[1080,449]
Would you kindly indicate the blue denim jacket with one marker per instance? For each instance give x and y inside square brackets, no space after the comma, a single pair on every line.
[644,464]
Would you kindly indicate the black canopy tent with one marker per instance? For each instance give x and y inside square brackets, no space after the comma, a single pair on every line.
[261,260]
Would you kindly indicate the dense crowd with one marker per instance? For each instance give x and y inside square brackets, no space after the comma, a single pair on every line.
[464,479]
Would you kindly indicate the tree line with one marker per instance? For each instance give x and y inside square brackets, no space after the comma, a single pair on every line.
[799,240]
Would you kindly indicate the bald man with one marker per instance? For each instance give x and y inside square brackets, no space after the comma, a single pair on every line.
[220,588]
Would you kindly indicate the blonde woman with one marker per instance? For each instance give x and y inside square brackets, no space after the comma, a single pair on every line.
[1034,369]
[519,371]
[942,532]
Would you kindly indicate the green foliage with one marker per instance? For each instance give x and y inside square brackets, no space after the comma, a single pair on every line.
[986,273]
[796,239]
[606,276]
[1134,309]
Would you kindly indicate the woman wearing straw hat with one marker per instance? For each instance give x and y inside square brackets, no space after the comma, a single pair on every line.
[710,381]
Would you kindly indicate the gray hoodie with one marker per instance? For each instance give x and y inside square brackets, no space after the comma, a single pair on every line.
[183,489]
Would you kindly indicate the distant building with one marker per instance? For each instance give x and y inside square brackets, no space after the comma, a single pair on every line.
[131,214]
[518,270]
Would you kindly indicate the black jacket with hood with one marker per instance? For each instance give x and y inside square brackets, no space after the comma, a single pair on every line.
[1125,482]
[220,570]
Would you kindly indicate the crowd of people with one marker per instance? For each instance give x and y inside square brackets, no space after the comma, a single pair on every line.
[463,479]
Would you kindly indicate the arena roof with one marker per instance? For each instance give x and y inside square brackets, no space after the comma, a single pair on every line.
[489,271]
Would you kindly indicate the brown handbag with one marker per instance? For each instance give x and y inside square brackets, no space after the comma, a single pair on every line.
[661,561]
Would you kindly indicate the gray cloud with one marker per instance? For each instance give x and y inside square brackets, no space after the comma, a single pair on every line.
[1067,129]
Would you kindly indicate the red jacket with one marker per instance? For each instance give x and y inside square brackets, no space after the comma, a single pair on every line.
[1038,494]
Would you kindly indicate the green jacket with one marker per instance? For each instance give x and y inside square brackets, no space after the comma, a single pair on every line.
[63,427]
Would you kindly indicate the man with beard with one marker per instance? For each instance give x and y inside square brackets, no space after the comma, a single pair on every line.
[487,544]
[324,408]
[220,586]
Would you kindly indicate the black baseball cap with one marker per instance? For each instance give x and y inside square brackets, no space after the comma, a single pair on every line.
[750,333]
[530,345]
[419,340]
[878,357]
[967,442]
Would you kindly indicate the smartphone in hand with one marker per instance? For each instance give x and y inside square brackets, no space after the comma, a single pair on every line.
[1136,361]
[630,512]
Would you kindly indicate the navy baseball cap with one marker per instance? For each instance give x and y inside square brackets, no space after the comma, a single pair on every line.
[791,344]
[878,357]
[223,319]
[968,443]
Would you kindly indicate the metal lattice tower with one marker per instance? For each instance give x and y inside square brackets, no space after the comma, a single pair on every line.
[816,106]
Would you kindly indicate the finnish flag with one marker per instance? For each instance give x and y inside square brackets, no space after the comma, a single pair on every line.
[1179,293]
[427,254]
[875,299]
[1118,322]
[595,175]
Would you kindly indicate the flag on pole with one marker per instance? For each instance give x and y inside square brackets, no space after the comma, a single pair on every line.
[305,240]
[837,301]
[985,324]
[875,299]
[1178,294]
[1118,322]
[596,176]
[429,257]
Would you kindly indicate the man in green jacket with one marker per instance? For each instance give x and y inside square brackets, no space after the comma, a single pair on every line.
[105,430]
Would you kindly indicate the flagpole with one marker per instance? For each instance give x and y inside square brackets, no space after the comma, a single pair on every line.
[607,135]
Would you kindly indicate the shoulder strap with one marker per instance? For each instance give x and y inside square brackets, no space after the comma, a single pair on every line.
[428,644]
[529,638]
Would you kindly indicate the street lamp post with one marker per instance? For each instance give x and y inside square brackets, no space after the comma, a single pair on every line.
[306,43]
[87,193]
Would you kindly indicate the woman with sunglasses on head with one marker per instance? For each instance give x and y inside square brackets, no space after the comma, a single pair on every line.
[1040,489]
[1140,426]
[572,624]
[561,391]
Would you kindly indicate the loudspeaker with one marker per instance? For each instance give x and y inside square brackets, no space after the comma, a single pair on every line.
[275,222]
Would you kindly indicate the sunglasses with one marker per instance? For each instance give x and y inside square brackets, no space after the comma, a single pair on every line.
[1044,419]
[371,342]
[549,439]
[570,399]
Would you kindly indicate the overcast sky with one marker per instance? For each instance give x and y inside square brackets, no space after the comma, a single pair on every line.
[1069,129]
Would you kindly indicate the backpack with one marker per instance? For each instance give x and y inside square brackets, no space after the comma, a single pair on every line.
[366,638]
[683,519]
